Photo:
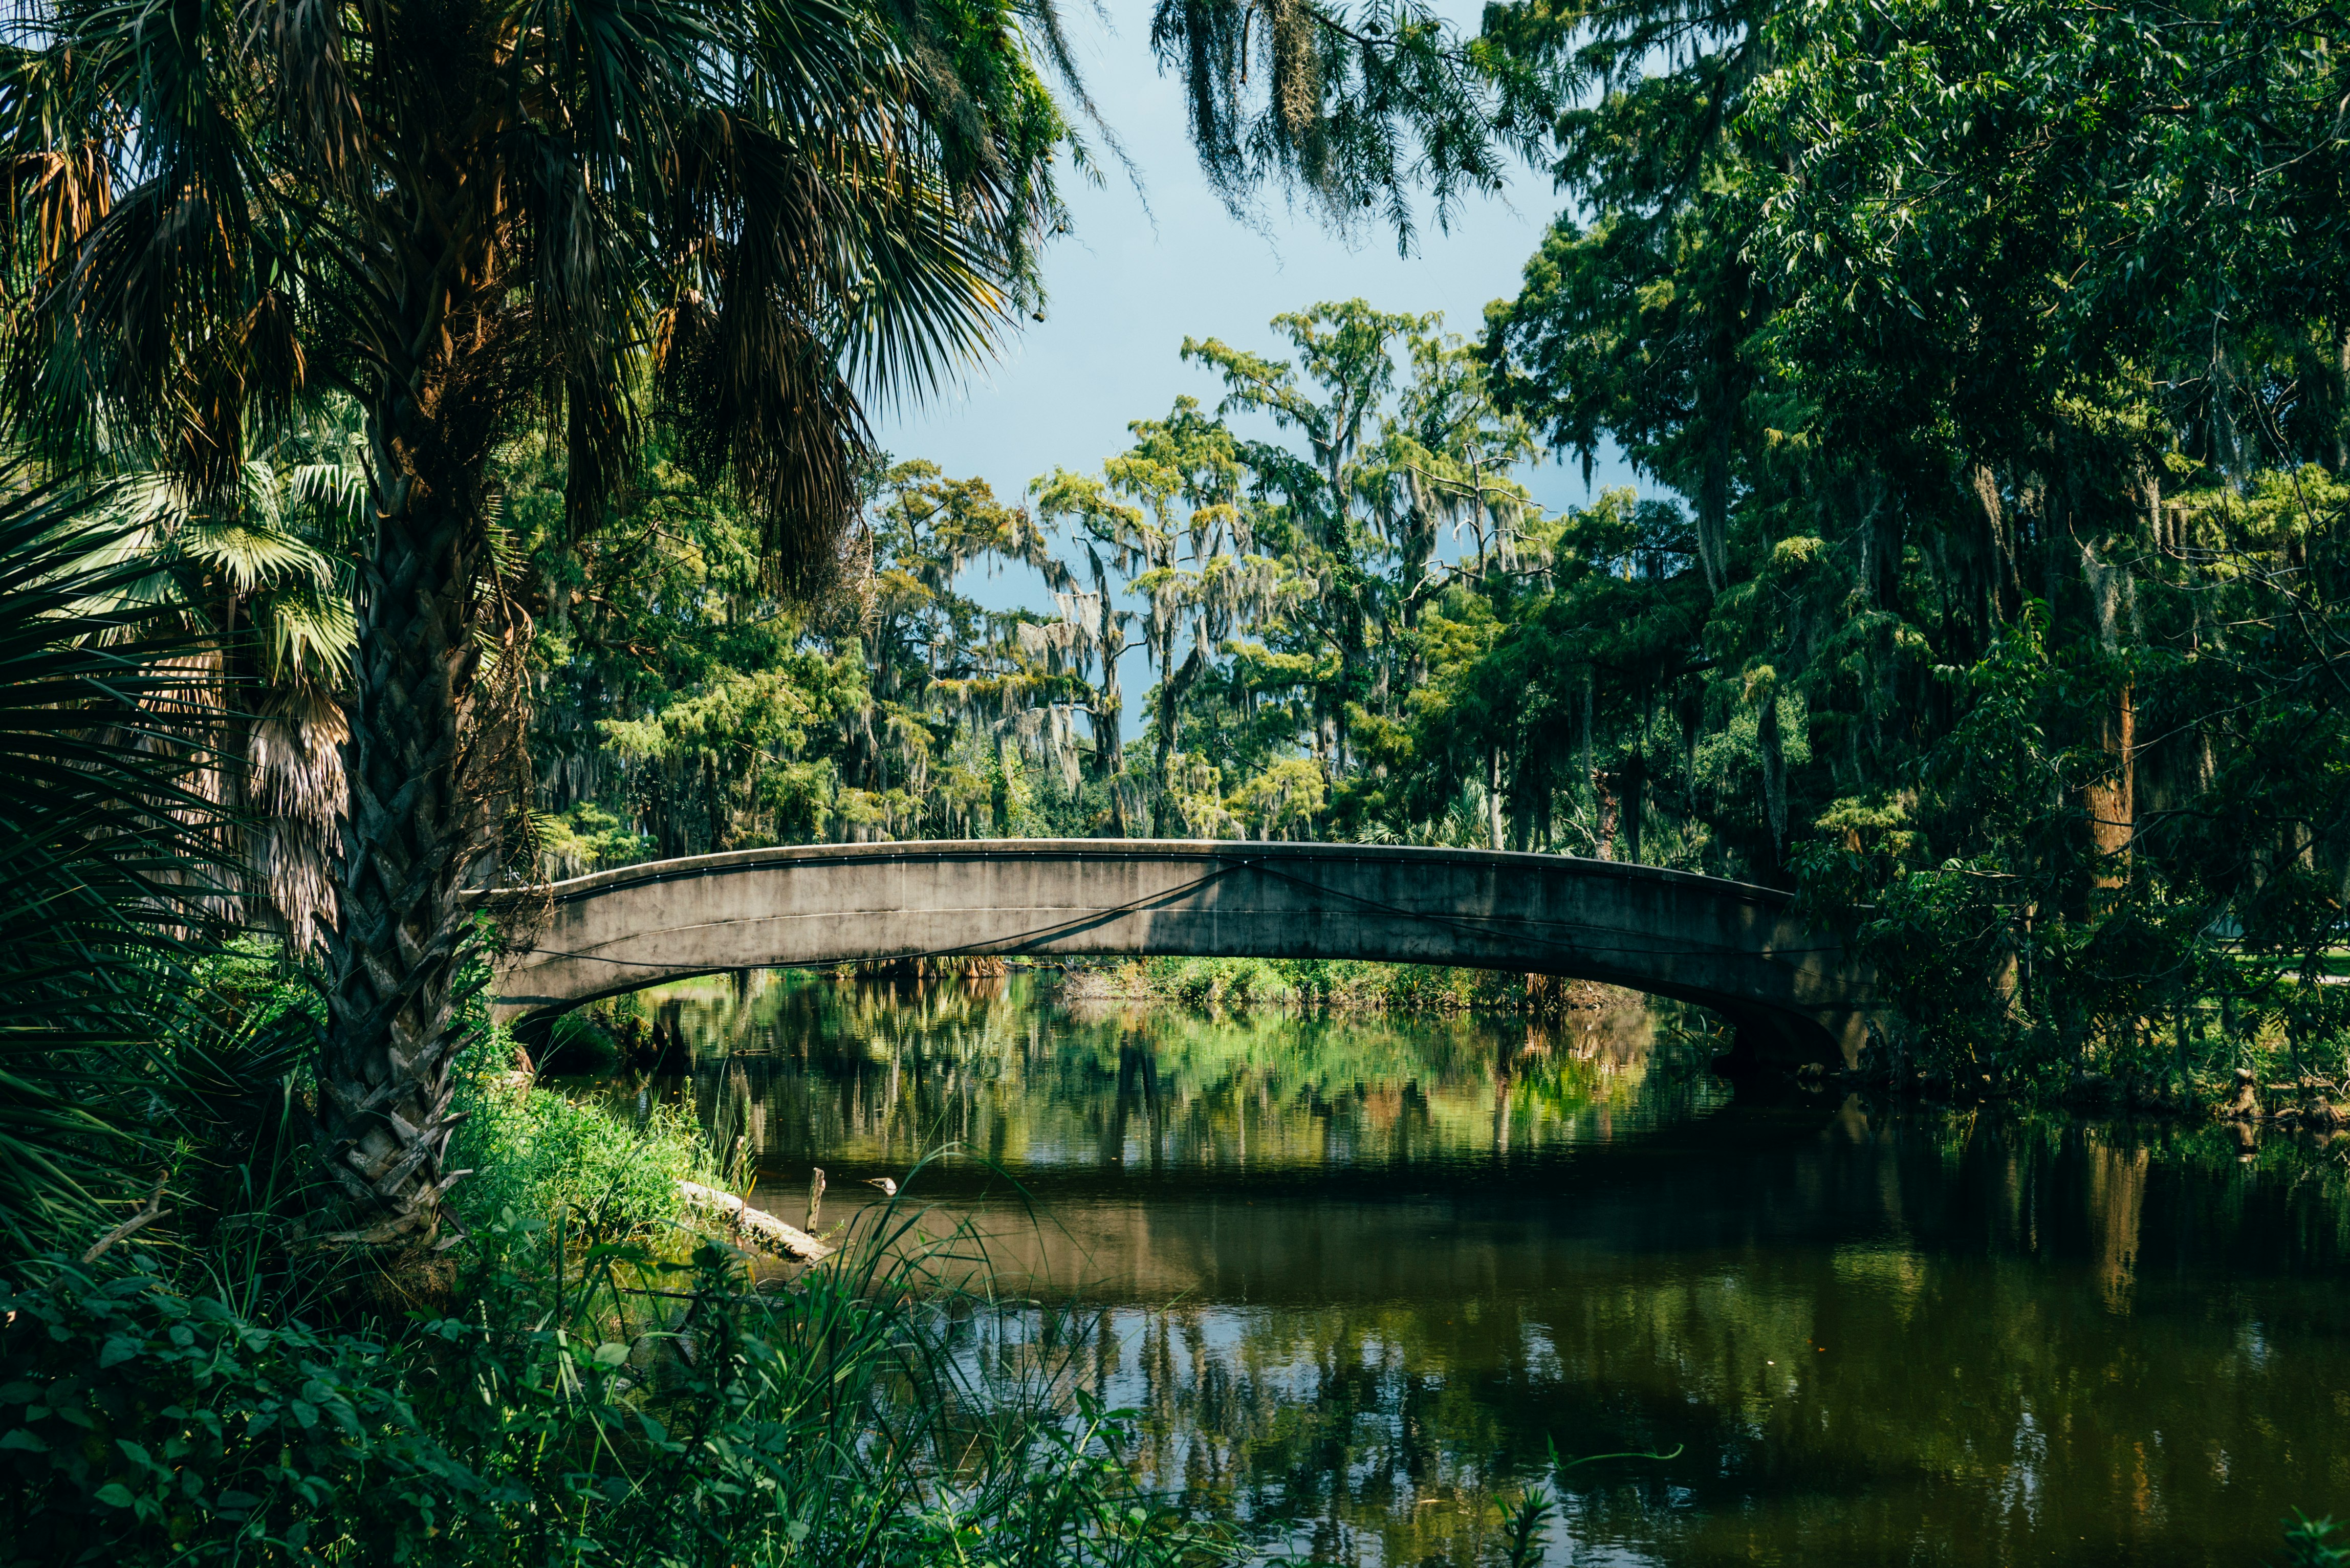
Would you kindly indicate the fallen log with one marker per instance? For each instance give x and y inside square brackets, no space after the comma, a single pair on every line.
[757,1225]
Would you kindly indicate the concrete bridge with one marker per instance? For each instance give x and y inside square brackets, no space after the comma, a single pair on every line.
[1793,994]
[1740,950]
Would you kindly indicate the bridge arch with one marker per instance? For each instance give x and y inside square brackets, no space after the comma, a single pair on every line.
[1795,994]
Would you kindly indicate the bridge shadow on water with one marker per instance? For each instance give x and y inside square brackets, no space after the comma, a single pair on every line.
[1359,1276]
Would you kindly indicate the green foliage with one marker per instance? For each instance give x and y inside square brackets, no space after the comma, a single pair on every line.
[689,708]
[1279,590]
[909,153]
[586,1405]
[2002,609]
[143,1422]
[120,1073]
[2315,1543]
[1356,109]
[535,1152]
[732,222]
[1524,1523]
[678,705]
[1221,982]
[588,838]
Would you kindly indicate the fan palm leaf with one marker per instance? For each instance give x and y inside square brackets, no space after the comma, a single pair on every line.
[109,855]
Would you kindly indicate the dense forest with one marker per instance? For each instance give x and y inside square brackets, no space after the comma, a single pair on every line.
[1988,371]
[437,455]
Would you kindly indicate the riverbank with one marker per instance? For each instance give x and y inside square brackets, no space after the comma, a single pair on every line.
[2310,1104]
[1335,985]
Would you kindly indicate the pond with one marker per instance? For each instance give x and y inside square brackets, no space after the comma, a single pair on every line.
[1365,1278]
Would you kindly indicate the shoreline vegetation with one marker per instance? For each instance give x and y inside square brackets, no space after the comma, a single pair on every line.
[2272,1095]
[222,1390]
[1338,986]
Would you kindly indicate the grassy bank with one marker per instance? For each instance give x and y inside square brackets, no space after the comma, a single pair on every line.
[2211,1060]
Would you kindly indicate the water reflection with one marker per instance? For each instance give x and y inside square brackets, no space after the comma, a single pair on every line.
[1359,1278]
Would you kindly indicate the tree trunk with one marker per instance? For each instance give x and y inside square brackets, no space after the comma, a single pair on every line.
[1171,691]
[2112,801]
[1493,795]
[2341,405]
[1774,777]
[1634,796]
[2004,592]
[1110,705]
[417,827]
[1713,507]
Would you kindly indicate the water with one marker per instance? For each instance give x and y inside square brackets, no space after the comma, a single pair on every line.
[1364,1278]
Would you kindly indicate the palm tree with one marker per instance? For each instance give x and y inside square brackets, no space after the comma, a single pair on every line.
[259,575]
[481,219]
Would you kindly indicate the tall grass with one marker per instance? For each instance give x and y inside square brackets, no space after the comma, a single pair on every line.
[2316,1543]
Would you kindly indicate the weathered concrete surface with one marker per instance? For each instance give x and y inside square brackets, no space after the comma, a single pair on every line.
[1739,950]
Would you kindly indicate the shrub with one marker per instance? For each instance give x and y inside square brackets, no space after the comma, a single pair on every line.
[138,1424]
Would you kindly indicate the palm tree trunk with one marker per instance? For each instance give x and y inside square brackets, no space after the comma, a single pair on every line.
[416,829]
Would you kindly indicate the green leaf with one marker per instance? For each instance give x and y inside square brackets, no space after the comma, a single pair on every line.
[114,1494]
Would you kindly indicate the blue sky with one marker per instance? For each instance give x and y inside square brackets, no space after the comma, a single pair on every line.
[1139,271]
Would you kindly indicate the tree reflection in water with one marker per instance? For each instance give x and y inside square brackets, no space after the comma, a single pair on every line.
[1360,1276]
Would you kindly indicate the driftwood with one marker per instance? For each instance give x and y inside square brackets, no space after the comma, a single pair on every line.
[129,1228]
[757,1225]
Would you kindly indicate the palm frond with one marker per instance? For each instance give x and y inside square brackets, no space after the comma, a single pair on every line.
[109,856]
[308,635]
